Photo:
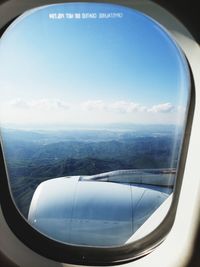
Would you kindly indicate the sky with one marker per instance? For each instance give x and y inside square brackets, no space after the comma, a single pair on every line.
[90,64]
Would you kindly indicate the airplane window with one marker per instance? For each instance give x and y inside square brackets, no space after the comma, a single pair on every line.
[93,110]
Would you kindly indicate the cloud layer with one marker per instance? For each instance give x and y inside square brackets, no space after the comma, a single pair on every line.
[127,107]
[163,108]
[90,111]
[92,105]
[41,104]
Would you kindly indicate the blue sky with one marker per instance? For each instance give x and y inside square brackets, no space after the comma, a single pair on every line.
[119,69]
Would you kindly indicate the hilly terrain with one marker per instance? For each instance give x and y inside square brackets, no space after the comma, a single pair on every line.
[33,157]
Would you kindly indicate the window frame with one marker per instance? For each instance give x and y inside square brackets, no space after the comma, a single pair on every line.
[86,255]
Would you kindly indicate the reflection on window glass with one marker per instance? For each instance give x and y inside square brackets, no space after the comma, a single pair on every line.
[93,107]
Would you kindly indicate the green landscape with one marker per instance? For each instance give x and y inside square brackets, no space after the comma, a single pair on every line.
[35,156]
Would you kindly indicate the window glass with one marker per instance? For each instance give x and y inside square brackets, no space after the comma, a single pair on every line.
[93,107]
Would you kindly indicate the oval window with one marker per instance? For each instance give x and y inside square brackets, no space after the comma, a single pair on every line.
[93,108]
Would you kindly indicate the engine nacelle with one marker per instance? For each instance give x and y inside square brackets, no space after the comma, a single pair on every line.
[94,213]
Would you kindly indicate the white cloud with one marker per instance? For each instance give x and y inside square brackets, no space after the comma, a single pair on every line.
[162,108]
[117,106]
[41,104]
[94,105]
[91,111]
[19,103]
[126,107]
[49,104]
